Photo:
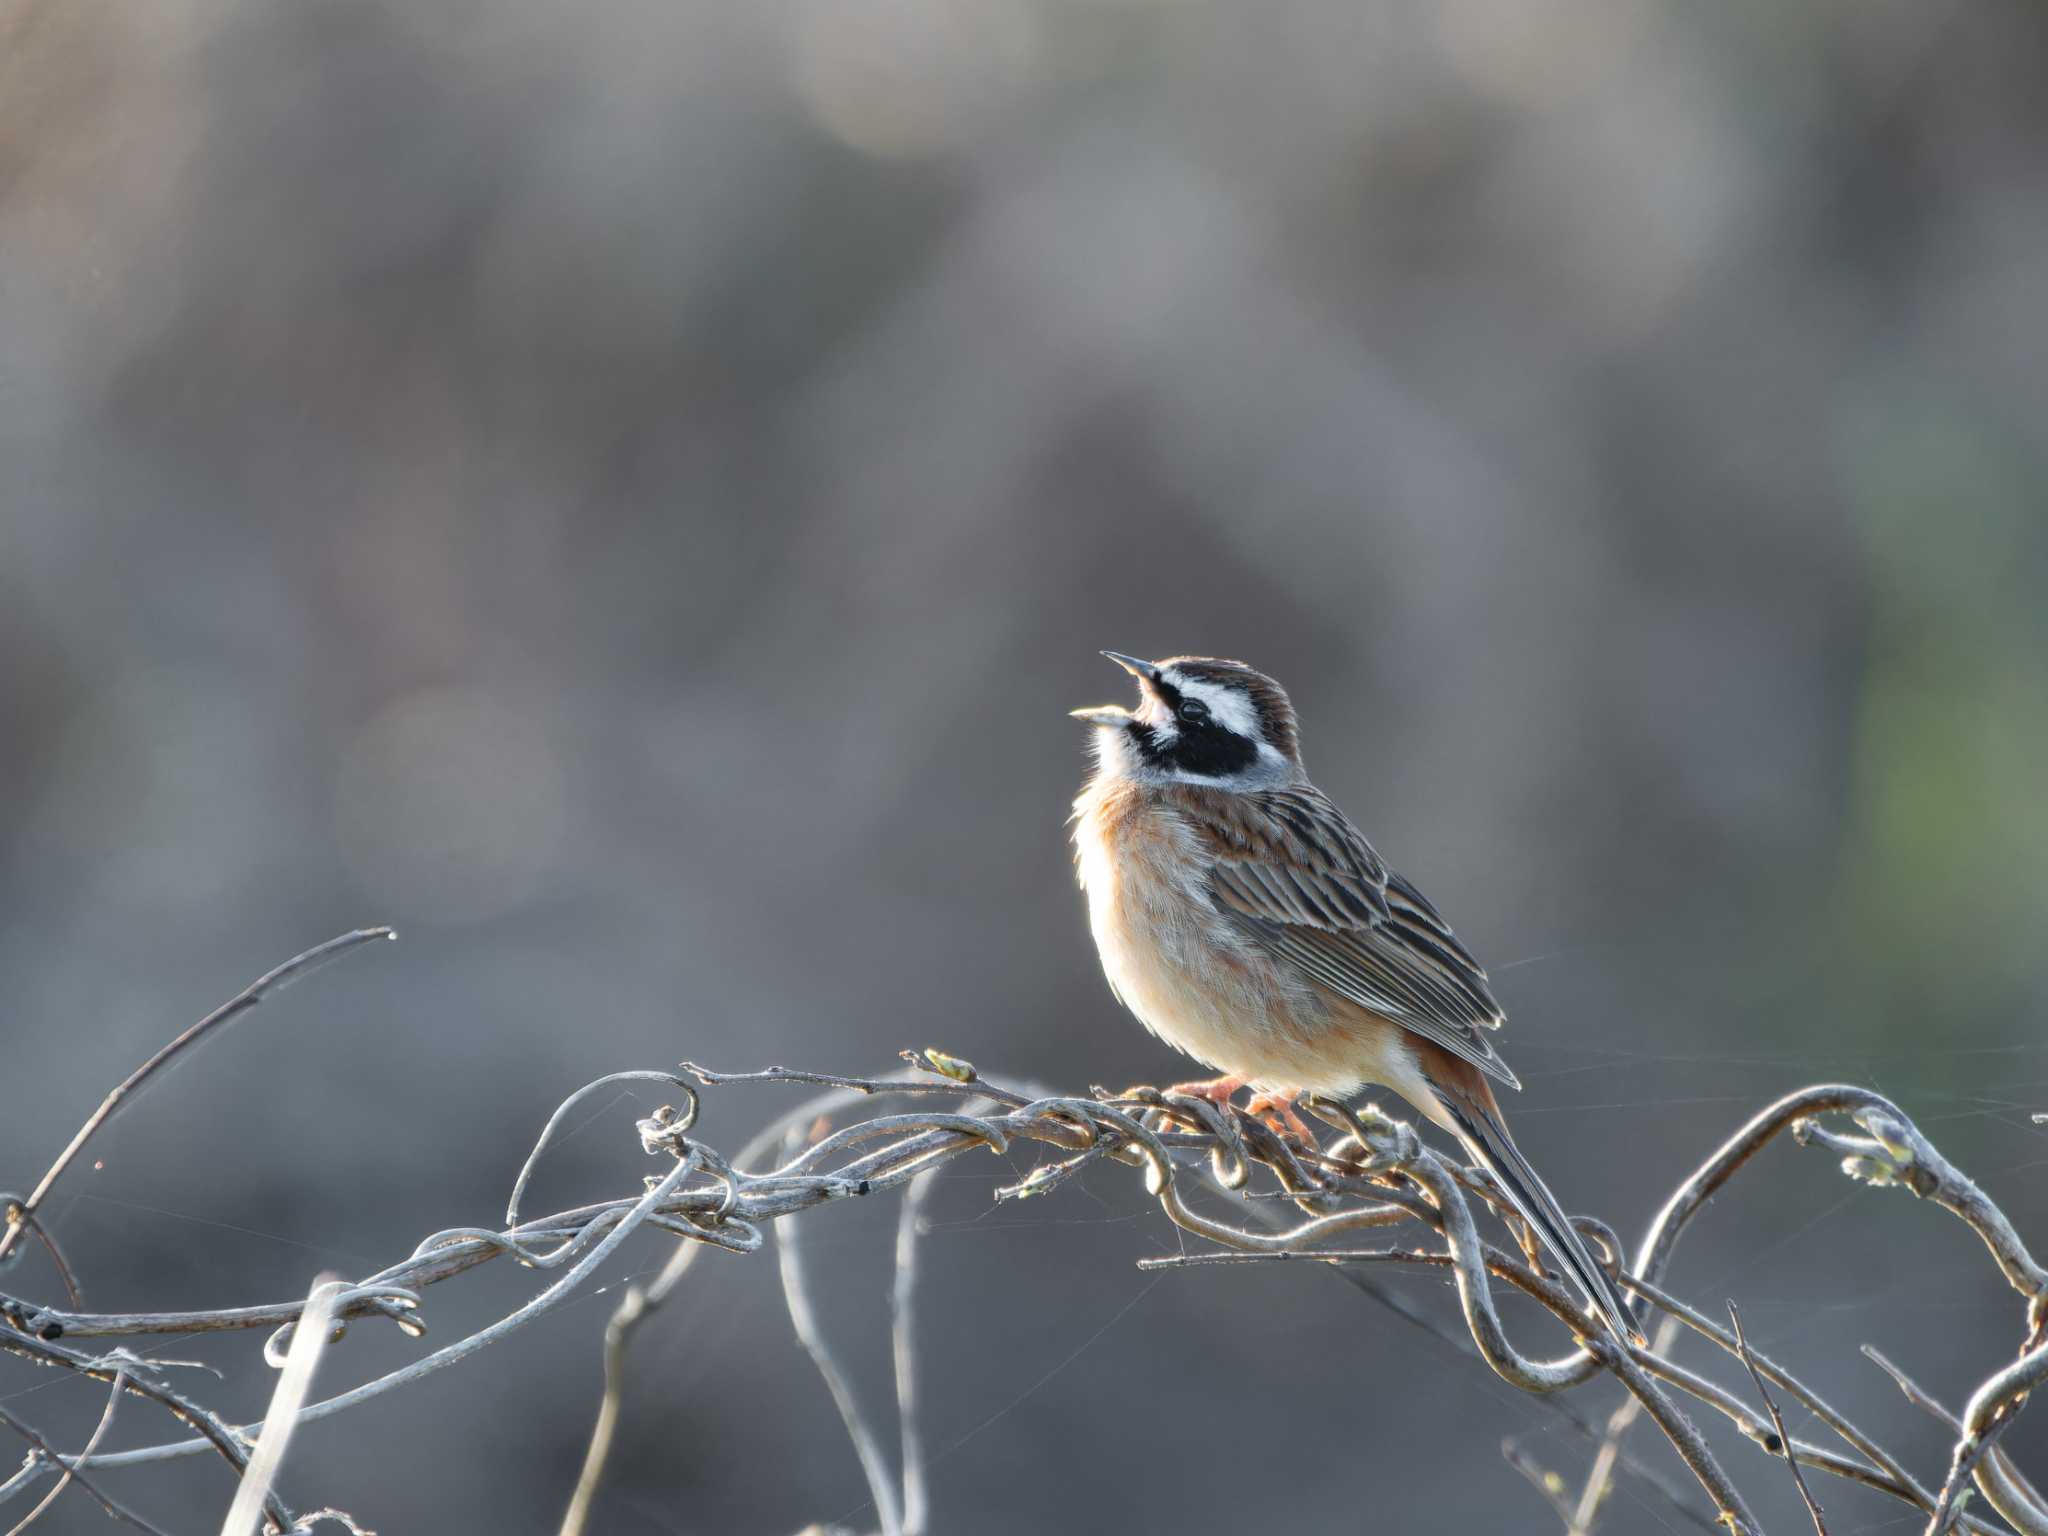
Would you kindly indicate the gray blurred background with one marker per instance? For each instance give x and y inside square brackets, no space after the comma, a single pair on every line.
[625,492]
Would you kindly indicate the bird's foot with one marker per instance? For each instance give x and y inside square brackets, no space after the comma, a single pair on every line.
[1277,1110]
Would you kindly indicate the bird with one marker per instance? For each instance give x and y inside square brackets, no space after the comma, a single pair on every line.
[1247,922]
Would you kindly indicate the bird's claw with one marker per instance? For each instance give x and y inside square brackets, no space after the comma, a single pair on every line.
[1277,1110]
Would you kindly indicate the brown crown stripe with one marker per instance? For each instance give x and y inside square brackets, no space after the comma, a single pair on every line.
[1275,711]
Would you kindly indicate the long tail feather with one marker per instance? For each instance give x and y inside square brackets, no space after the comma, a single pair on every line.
[1488,1141]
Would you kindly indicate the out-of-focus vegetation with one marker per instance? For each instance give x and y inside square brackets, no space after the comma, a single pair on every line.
[626,492]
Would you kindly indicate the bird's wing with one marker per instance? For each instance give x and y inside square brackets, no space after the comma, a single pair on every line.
[1305,886]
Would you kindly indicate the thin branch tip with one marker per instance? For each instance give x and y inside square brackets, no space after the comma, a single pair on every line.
[19,1214]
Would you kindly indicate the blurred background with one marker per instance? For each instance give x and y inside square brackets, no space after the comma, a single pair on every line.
[626,492]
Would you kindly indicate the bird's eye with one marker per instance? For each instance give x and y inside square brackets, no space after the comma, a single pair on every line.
[1194,712]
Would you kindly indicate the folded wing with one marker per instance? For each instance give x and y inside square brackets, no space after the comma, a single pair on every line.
[1304,884]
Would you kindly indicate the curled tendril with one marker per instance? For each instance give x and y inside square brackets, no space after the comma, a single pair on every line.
[392,1301]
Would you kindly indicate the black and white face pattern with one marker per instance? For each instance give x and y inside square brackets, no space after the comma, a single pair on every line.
[1200,721]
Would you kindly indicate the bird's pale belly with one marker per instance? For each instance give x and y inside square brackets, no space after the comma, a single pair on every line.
[1195,982]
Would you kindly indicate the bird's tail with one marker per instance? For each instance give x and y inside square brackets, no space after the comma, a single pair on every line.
[1485,1135]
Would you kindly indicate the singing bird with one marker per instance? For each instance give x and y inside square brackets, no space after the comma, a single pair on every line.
[1244,920]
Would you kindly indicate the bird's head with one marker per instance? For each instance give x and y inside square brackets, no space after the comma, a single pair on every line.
[1199,720]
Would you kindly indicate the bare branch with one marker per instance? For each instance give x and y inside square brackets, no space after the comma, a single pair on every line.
[1813,1509]
[309,1340]
[610,1227]
[547,1132]
[1684,1437]
[1449,1333]
[1901,1154]
[635,1305]
[1374,1175]
[43,1455]
[970,1087]
[16,1207]
[1988,1414]
[20,1212]
[1895,1153]
[1600,1476]
[902,1295]
[70,1473]
[2003,1485]
[796,1295]
[123,1370]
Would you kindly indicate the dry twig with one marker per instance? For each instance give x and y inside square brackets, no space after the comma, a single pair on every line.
[21,1213]
[1784,1439]
[293,1382]
[1600,1477]
[2005,1488]
[803,1321]
[70,1473]
[1374,1175]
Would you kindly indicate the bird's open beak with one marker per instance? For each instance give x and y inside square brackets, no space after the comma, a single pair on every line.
[1116,714]
[1134,666]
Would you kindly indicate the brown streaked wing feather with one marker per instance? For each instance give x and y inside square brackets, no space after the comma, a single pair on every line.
[1414,912]
[1308,888]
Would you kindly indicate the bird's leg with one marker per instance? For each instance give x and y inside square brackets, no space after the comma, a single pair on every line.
[1217,1090]
[1277,1110]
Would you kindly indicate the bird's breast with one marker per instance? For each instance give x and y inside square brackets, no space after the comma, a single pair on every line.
[1178,963]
